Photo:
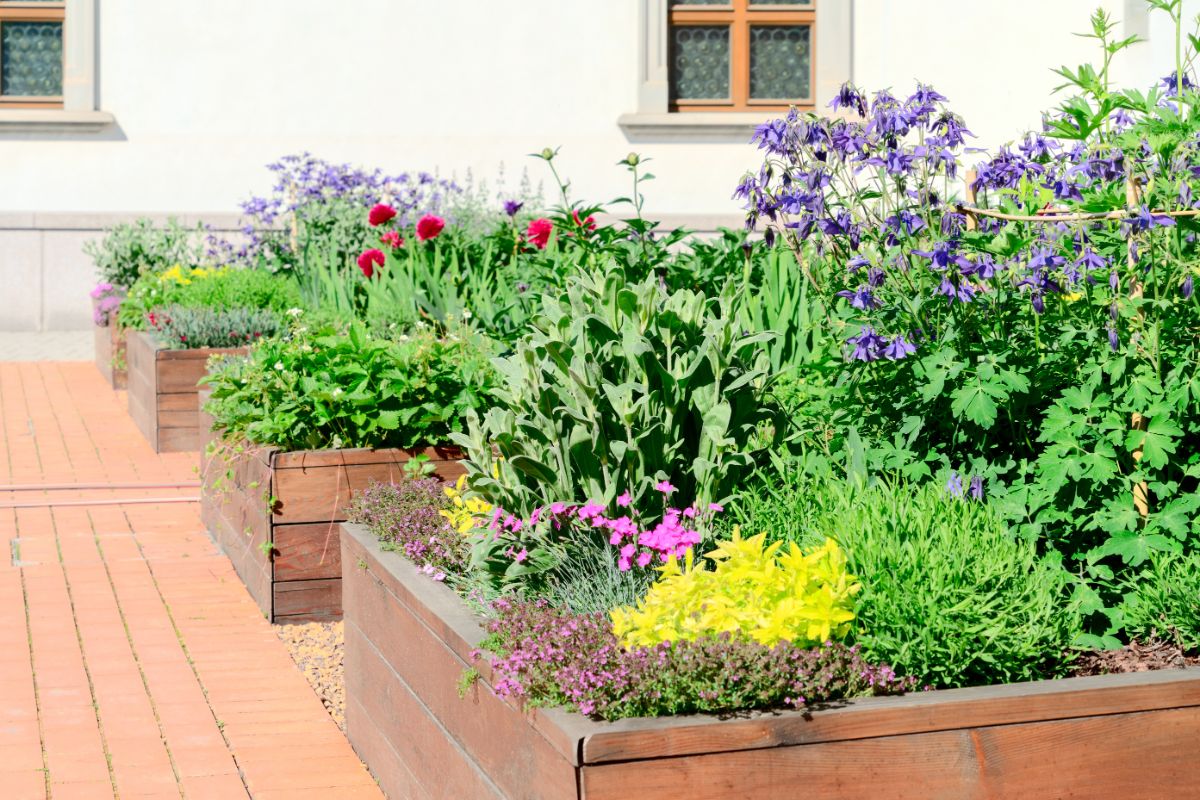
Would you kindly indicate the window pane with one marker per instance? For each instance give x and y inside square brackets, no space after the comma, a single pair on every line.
[31,59]
[701,2]
[780,2]
[780,62]
[700,62]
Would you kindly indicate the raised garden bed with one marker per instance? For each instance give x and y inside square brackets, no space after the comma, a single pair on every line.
[409,639]
[164,398]
[275,514]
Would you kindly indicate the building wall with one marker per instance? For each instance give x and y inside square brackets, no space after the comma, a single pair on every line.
[205,94]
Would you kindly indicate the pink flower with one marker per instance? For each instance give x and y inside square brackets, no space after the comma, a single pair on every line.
[717,507]
[558,508]
[428,227]
[393,239]
[644,558]
[624,500]
[369,259]
[538,232]
[589,223]
[521,556]
[380,214]
[664,486]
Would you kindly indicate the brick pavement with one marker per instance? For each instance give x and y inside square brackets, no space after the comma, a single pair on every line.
[133,663]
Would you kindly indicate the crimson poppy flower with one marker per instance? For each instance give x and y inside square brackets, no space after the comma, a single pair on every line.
[538,232]
[369,259]
[380,214]
[429,226]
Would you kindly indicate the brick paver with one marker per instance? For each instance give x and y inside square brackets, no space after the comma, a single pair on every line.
[133,663]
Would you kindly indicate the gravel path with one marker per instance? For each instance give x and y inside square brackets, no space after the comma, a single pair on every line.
[317,649]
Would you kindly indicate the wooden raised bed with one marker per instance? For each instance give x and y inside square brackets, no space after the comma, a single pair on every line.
[408,640]
[275,514]
[164,399]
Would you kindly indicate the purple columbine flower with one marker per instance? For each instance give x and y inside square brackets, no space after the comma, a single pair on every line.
[511,207]
[1186,289]
[975,490]
[954,486]
[861,298]
[868,345]
[1144,220]
[899,349]
[1114,341]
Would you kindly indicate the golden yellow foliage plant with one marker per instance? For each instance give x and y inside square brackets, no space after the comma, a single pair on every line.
[466,512]
[759,591]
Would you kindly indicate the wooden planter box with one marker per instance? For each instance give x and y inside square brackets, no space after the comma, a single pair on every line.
[408,640]
[164,399]
[294,500]
[110,350]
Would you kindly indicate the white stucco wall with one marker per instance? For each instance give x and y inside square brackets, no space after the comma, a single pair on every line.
[206,93]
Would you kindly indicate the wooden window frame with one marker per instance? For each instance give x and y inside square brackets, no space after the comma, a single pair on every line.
[740,16]
[14,11]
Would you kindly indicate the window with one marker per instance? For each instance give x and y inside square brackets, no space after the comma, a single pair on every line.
[31,53]
[741,55]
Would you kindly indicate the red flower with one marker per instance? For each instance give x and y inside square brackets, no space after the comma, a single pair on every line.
[380,214]
[369,260]
[393,239]
[429,226]
[589,223]
[538,232]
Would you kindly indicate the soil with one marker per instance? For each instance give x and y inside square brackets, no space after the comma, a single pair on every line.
[317,648]
[1135,657]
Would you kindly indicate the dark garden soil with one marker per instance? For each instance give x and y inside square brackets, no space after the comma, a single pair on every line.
[1135,657]
[317,649]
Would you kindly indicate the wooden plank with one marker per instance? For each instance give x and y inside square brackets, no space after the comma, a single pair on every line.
[890,716]
[386,765]
[309,600]
[1139,755]
[307,551]
[177,375]
[180,419]
[414,737]
[177,440]
[488,730]
[325,458]
[179,401]
[323,494]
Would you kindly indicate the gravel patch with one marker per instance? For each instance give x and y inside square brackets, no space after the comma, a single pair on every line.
[317,648]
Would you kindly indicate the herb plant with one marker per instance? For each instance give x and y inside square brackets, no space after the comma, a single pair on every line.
[185,328]
[129,250]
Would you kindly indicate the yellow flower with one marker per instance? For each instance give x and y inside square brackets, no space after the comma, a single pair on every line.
[753,589]
[465,513]
[1072,296]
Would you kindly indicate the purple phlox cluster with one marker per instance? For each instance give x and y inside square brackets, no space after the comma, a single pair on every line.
[405,517]
[556,657]
[108,300]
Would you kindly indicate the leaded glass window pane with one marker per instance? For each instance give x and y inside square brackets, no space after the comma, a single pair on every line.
[700,2]
[31,59]
[780,62]
[700,61]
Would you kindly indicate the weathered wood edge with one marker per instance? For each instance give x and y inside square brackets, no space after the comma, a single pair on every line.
[346,457]
[562,729]
[921,712]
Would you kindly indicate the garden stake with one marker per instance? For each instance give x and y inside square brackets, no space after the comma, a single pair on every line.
[1141,491]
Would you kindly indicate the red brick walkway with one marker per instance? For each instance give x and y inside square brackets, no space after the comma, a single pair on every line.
[132,662]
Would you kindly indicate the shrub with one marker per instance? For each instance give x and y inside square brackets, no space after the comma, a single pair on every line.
[129,250]
[158,289]
[752,591]
[334,387]
[948,594]
[183,328]
[617,387]
[552,657]
[1163,600]
[408,517]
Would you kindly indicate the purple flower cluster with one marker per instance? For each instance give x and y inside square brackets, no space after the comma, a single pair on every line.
[867,191]
[405,516]
[551,656]
[108,300]
[673,535]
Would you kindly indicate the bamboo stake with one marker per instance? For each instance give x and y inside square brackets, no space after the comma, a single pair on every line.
[1141,491]
[1051,217]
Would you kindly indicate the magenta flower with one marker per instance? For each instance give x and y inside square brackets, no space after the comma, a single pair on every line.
[664,486]
[624,500]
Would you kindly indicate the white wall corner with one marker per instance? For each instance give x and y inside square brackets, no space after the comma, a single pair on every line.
[653,85]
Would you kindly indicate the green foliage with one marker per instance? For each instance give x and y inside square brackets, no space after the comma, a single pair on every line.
[241,288]
[1163,600]
[589,580]
[129,250]
[332,387]
[616,387]
[948,596]
[184,328]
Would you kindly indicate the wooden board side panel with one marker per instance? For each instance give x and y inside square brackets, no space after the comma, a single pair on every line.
[307,551]
[498,737]
[143,387]
[1147,754]
[323,494]
[293,601]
